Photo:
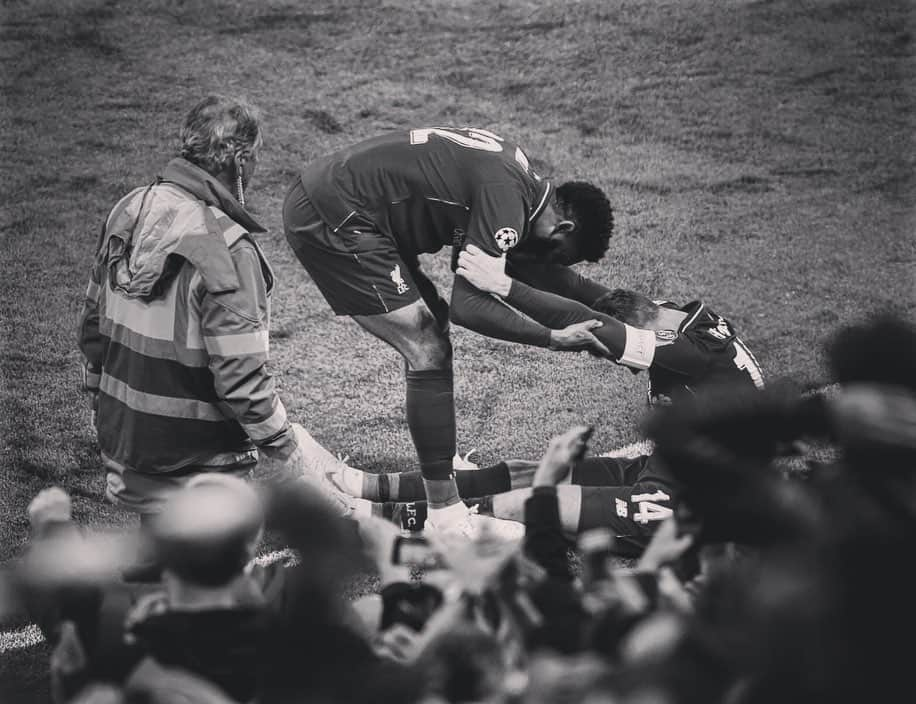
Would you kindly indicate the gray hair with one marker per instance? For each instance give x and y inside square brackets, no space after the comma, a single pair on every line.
[218,128]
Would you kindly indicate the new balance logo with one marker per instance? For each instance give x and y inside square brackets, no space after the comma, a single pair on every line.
[398,279]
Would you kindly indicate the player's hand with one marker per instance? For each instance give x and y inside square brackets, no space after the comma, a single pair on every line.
[562,452]
[483,271]
[578,337]
[51,505]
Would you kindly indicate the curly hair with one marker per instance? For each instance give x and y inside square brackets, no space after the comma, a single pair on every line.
[218,128]
[590,209]
[628,307]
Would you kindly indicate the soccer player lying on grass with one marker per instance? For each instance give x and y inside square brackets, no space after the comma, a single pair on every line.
[358,219]
[629,496]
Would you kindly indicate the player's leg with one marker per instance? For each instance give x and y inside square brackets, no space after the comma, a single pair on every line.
[428,292]
[608,471]
[592,471]
[360,273]
[496,479]
[413,331]
[408,486]
[511,506]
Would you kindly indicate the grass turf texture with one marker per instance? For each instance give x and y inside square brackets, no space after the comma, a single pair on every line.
[758,154]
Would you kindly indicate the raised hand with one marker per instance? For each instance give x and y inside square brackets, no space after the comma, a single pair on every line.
[562,452]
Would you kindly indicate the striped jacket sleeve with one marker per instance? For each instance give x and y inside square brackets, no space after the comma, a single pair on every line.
[89,339]
[234,326]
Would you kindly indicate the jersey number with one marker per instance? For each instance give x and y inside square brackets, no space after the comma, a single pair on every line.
[472,138]
[648,509]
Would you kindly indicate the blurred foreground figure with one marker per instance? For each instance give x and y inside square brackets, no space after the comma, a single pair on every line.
[217,624]
[822,594]
[175,325]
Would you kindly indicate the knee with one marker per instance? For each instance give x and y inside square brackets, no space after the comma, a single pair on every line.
[430,348]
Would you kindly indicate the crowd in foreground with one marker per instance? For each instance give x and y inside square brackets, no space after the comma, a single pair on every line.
[781,576]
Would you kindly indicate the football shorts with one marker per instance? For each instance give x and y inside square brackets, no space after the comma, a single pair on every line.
[357,268]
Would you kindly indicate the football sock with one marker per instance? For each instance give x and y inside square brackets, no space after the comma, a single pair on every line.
[431,421]
[483,481]
[409,515]
[441,493]
[412,515]
[408,486]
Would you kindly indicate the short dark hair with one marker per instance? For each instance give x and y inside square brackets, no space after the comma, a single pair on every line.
[590,209]
[628,307]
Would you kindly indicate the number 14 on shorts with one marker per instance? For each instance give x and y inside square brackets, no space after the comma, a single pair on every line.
[649,508]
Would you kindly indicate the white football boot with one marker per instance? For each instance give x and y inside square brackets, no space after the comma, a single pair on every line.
[459,521]
[459,462]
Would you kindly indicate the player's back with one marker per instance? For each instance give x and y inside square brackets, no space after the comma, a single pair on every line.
[420,185]
[712,353]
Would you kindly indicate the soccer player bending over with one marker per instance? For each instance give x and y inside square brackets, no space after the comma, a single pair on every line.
[359,218]
[683,348]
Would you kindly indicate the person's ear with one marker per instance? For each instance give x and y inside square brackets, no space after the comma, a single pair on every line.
[564,226]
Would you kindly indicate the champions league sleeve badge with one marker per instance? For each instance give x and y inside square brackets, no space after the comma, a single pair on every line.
[506,238]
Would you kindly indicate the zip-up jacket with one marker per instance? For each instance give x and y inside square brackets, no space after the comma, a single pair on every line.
[174,330]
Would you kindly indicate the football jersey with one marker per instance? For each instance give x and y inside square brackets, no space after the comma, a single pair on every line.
[432,187]
[704,349]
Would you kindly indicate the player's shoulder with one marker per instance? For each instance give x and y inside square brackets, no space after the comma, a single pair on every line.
[702,321]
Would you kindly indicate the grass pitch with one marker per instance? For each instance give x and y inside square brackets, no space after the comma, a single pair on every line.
[759,156]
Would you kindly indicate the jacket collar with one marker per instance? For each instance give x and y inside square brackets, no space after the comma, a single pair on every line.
[205,187]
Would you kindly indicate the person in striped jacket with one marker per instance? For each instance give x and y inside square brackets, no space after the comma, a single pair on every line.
[174,329]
